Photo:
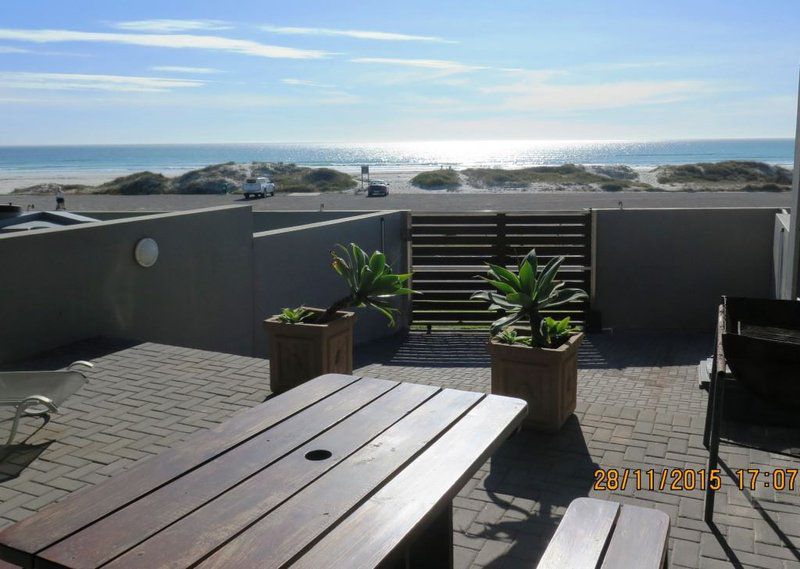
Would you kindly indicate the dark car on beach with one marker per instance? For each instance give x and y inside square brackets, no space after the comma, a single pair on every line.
[377,189]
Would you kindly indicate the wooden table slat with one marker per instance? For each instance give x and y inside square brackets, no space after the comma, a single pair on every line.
[55,522]
[221,519]
[373,531]
[580,545]
[114,534]
[639,538]
[277,539]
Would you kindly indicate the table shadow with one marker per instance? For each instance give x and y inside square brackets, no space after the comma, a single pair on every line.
[534,477]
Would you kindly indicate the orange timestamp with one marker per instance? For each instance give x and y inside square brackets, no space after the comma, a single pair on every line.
[665,479]
[778,478]
[683,479]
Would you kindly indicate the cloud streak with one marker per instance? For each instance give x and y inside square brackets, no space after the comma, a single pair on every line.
[563,97]
[304,83]
[437,64]
[356,34]
[167,26]
[9,49]
[88,82]
[173,41]
[184,69]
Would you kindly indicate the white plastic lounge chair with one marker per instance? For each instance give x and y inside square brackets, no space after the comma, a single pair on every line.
[39,392]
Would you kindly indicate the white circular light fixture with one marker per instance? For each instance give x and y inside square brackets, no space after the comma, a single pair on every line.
[146,252]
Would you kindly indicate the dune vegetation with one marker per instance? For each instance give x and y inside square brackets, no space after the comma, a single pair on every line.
[727,171]
[215,179]
[437,179]
[566,174]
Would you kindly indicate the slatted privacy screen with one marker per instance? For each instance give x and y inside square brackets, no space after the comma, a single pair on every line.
[449,251]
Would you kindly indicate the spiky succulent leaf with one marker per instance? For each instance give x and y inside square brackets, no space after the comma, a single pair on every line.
[370,280]
[523,295]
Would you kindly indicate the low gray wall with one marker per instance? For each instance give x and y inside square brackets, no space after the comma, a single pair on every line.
[667,268]
[292,268]
[111,215]
[271,220]
[67,284]
[262,220]
[214,282]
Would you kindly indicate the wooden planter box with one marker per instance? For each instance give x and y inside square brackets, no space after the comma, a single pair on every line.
[300,352]
[547,379]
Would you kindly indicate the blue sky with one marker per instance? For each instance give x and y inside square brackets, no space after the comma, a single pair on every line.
[83,72]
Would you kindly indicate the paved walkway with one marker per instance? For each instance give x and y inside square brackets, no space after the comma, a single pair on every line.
[432,201]
[639,408]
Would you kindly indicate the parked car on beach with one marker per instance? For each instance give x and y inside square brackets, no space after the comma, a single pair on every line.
[377,188]
[258,188]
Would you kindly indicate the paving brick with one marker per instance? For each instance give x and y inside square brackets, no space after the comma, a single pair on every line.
[638,408]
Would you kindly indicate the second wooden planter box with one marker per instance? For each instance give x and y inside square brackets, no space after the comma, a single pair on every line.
[300,352]
[545,378]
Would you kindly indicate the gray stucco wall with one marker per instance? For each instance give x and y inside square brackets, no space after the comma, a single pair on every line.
[667,268]
[292,268]
[262,220]
[67,284]
[271,220]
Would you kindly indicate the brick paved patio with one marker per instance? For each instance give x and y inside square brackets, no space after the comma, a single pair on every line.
[639,407]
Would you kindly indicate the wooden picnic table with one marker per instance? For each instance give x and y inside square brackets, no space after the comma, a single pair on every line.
[341,471]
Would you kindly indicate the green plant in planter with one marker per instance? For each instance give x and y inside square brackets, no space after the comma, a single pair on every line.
[370,280]
[294,315]
[522,297]
[510,336]
[555,332]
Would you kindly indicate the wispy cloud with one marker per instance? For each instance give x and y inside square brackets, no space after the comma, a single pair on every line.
[525,96]
[357,34]
[87,82]
[172,25]
[176,41]
[9,49]
[304,83]
[183,69]
[438,64]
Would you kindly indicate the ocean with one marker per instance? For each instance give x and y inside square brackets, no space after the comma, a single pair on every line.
[25,165]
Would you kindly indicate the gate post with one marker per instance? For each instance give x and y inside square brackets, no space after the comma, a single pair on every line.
[501,247]
[406,302]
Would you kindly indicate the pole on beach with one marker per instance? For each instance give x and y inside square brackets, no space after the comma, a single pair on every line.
[794,227]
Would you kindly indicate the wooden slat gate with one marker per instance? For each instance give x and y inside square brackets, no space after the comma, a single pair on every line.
[450,250]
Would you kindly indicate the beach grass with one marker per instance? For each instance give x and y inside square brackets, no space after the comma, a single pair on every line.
[436,179]
[564,174]
[726,171]
[299,179]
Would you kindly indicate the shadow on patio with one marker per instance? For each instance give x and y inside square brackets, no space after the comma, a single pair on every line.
[445,349]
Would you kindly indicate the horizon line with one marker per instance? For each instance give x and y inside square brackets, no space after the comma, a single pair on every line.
[407,141]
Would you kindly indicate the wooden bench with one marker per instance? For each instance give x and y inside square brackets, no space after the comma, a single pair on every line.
[607,535]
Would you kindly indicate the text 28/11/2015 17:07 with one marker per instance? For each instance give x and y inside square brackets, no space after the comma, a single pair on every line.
[683,479]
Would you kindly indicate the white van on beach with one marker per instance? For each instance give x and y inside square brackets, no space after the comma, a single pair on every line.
[258,188]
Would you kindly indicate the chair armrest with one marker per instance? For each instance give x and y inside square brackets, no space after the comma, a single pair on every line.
[80,363]
[38,400]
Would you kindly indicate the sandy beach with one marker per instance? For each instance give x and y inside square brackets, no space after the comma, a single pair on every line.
[10,180]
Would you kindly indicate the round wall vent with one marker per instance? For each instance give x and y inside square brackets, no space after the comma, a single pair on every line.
[146,252]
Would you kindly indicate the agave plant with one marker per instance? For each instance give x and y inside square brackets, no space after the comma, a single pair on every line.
[553,333]
[524,295]
[510,336]
[294,315]
[370,280]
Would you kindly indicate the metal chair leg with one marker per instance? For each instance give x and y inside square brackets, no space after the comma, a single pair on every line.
[711,390]
[22,408]
[713,444]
